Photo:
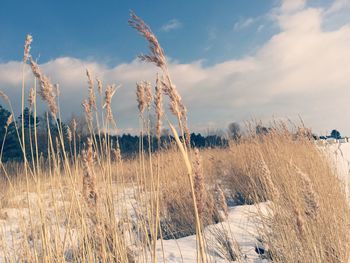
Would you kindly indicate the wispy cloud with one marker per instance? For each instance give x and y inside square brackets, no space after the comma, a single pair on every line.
[338,5]
[243,23]
[212,33]
[260,28]
[171,25]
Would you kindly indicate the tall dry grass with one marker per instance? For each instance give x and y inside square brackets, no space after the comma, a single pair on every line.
[308,218]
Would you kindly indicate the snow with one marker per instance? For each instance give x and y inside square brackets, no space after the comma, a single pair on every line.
[240,228]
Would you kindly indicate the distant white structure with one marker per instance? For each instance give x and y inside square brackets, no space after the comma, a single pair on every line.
[331,140]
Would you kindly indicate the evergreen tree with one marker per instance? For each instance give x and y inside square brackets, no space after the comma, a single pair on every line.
[9,138]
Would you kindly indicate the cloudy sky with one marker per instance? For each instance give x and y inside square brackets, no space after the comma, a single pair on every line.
[231,60]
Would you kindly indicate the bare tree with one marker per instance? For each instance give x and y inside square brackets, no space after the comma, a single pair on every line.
[234,131]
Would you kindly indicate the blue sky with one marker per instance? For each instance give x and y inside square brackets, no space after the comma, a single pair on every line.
[231,60]
[99,30]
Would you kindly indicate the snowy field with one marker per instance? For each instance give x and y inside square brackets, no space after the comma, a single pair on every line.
[241,224]
[339,155]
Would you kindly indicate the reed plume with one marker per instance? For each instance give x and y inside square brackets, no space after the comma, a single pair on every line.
[91,197]
[27,47]
[74,125]
[116,153]
[109,93]
[310,196]
[31,98]
[148,94]
[157,56]
[89,178]
[46,90]
[9,121]
[158,103]
[99,86]
[69,134]
[222,200]
[265,173]
[140,97]
[87,109]
[92,97]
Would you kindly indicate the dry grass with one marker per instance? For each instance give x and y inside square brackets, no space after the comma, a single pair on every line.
[309,216]
[307,219]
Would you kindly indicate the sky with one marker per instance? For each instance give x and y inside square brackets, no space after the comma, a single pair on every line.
[230,60]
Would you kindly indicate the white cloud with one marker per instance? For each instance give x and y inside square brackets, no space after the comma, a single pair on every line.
[300,70]
[292,5]
[171,25]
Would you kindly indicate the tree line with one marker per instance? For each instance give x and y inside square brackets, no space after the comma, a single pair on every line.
[47,131]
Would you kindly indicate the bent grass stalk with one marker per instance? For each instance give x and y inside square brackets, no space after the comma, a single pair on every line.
[186,159]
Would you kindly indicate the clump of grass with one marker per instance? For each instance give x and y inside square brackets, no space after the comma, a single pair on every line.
[224,245]
[308,214]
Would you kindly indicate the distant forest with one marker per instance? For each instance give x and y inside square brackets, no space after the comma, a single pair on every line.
[43,125]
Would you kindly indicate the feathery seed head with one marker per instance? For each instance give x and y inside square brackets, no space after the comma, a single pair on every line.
[31,98]
[310,196]
[92,98]
[9,120]
[74,125]
[87,109]
[89,184]
[116,153]
[148,94]
[267,179]
[46,91]
[69,134]
[27,43]
[158,102]
[156,55]
[140,96]
[109,93]
[99,86]
[221,200]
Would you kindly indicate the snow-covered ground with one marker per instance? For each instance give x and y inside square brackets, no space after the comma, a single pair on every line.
[339,155]
[240,226]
